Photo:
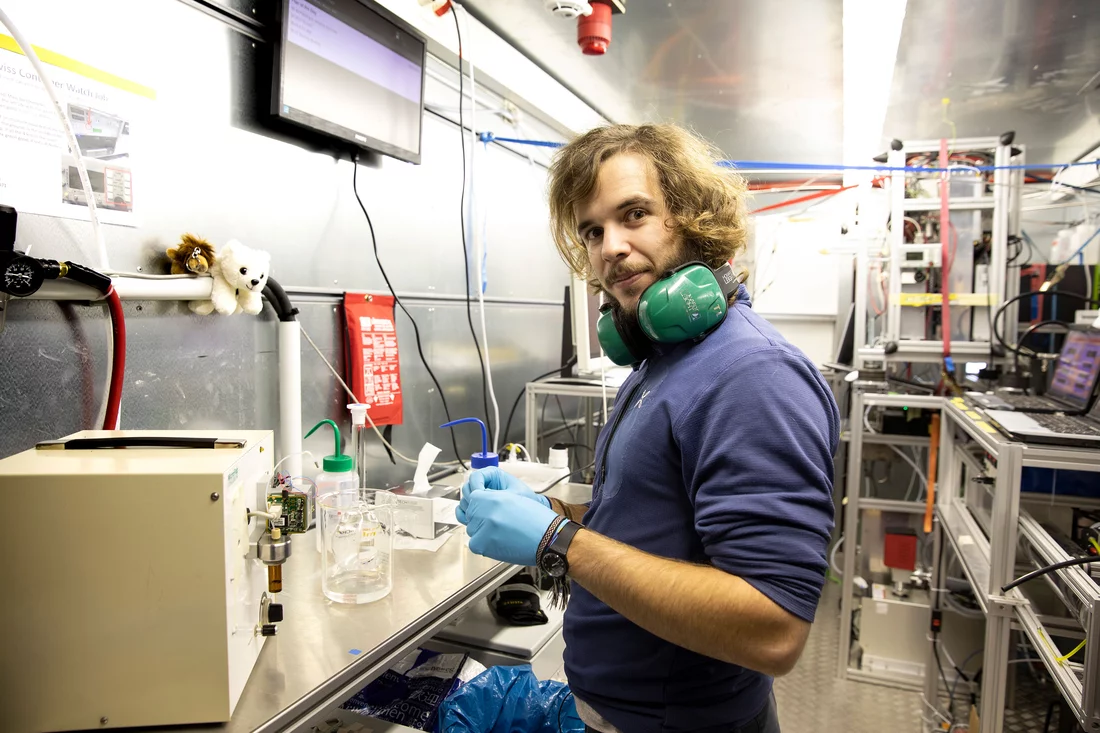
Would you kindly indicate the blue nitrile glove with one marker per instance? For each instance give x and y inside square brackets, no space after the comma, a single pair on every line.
[494,479]
[506,526]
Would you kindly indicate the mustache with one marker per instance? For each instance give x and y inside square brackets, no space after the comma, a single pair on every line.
[622,272]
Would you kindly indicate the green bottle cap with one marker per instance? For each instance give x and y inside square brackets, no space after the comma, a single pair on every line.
[337,462]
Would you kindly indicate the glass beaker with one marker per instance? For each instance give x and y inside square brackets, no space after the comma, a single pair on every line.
[357,554]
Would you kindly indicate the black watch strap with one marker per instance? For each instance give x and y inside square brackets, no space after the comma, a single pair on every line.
[564,537]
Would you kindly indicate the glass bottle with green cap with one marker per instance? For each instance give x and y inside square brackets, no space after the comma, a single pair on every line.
[338,473]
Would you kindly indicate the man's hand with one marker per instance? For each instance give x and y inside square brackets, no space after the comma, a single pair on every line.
[506,526]
[494,479]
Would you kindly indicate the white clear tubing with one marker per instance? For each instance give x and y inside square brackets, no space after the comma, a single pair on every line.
[479,242]
[290,395]
[70,136]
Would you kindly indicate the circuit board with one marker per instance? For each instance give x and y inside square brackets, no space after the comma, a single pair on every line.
[295,517]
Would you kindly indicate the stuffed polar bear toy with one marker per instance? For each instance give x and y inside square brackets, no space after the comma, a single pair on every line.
[240,274]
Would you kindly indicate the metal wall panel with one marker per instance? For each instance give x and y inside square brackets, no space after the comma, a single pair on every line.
[762,80]
[206,167]
[520,346]
[186,371]
[1027,65]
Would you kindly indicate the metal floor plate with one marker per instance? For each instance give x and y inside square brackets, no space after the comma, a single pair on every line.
[812,700]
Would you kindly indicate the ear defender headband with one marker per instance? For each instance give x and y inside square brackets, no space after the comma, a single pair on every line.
[685,304]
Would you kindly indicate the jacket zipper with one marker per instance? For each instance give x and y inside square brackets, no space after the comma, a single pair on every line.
[614,427]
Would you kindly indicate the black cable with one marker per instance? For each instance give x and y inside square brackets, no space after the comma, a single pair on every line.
[565,699]
[1030,294]
[1032,251]
[416,329]
[542,413]
[563,478]
[462,222]
[1046,723]
[523,391]
[1031,330]
[1050,569]
[565,420]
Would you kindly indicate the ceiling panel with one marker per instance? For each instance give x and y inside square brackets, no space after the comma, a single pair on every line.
[1028,65]
[763,80]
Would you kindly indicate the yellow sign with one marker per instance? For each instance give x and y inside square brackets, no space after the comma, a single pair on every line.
[973,415]
[8,43]
[963,299]
[985,426]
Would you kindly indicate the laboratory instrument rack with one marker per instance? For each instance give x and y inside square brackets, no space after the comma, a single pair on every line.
[1003,202]
[985,542]
[591,390]
[855,505]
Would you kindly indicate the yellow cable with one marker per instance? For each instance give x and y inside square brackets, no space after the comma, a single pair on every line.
[1046,641]
[1095,544]
[945,103]
[1065,658]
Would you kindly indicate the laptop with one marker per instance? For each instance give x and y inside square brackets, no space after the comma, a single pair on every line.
[1049,429]
[1071,386]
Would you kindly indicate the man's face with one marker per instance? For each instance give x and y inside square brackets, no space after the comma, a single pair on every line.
[623,226]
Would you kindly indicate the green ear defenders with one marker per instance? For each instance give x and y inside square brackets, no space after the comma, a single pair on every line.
[685,304]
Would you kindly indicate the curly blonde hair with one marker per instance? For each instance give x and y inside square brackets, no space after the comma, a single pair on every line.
[705,201]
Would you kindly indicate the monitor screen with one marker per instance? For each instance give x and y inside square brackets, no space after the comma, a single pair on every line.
[348,71]
[584,313]
[845,351]
[1078,365]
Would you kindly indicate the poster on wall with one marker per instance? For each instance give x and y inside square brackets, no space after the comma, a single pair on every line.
[38,175]
[374,366]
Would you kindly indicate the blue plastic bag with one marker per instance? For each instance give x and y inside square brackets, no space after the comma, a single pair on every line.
[510,700]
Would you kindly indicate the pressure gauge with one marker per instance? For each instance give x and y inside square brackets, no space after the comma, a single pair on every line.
[22,276]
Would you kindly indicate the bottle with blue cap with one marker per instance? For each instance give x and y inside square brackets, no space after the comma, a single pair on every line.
[484,459]
[338,473]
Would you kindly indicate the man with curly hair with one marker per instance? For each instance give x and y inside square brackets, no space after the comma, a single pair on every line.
[698,565]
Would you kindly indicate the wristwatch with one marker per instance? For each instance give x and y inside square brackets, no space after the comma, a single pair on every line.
[552,560]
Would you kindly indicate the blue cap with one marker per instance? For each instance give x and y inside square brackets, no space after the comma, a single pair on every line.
[484,459]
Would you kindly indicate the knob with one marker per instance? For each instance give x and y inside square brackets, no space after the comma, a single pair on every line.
[275,613]
[268,630]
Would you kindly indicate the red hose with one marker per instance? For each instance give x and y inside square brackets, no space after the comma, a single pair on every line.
[800,199]
[118,360]
[812,196]
[945,249]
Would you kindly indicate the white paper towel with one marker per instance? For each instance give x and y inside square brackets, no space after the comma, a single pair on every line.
[423,464]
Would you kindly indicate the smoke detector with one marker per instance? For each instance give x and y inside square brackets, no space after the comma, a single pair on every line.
[568,9]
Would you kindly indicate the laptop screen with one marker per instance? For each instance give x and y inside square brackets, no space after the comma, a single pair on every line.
[1077,369]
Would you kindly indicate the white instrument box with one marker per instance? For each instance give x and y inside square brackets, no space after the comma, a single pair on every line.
[129,597]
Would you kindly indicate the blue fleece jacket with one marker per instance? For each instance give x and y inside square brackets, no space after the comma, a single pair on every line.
[721,453]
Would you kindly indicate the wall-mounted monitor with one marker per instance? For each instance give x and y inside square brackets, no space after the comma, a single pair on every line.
[351,70]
